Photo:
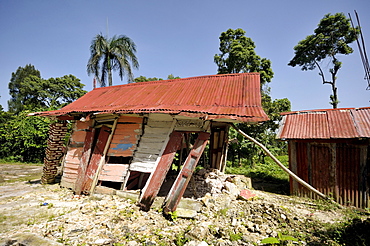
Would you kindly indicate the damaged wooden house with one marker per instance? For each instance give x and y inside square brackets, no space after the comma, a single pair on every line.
[127,136]
[330,150]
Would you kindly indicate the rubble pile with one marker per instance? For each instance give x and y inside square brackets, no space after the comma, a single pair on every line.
[218,216]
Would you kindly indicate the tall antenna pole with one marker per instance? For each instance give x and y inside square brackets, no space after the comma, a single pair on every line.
[107,29]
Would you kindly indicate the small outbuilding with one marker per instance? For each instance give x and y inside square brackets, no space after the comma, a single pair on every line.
[330,150]
[127,136]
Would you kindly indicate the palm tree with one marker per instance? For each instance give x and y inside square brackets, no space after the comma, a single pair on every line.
[114,54]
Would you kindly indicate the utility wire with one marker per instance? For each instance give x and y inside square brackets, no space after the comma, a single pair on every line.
[362,49]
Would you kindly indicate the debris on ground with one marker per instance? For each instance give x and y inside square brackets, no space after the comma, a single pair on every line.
[218,210]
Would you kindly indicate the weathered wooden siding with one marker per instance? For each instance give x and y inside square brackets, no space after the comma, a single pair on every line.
[339,170]
[126,136]
[152,142]
[74,153]
[113,172]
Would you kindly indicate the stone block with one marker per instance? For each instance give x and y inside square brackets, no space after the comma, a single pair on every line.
[132,195]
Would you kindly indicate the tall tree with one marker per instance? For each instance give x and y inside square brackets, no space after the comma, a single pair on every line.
[112,54]
[238,55]
[330,38]
[15,103]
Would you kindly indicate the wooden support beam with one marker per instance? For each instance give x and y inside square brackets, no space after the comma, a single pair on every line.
[182,180]
[95,158]
[85,158]
[156,180]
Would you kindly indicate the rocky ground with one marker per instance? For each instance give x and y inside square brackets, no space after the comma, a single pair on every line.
[213,214]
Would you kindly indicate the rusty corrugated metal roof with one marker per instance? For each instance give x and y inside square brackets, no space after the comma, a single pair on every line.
[326,124]
[226,96]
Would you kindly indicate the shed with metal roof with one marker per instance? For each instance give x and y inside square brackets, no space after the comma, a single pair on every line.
[126,136]
[330,149]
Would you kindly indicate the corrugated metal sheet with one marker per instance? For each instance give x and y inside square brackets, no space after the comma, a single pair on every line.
[362,120]
[228,96]
[326,124]
[339,170]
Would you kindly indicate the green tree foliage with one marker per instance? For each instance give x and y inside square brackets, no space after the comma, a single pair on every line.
[112,54]
[23,138]
[172,77]
[238,56]
[35,92]
[15,104]
[330,39]
[145,79]
[51,93]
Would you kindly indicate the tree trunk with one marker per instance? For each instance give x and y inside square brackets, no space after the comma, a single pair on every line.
[335,96]
[109,67]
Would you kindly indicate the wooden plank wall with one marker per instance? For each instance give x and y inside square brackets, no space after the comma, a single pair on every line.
[74,153]
[126,136]
[114,172]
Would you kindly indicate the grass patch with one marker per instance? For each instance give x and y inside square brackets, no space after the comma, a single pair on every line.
[350,232]
[268,171]
[265,173]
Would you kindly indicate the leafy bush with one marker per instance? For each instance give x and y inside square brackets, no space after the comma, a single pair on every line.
[23,138]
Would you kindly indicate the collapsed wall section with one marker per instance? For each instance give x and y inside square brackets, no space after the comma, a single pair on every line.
[54,151]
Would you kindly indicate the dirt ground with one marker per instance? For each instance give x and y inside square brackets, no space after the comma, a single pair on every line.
[24,175]
[49,212]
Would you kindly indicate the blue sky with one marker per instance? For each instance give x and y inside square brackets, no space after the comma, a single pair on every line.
[179,38]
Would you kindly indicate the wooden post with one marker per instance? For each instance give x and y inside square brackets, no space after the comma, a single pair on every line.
[102,159]
[182,180]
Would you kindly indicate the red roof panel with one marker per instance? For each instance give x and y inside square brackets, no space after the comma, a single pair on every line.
[228,96]
[326,124]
